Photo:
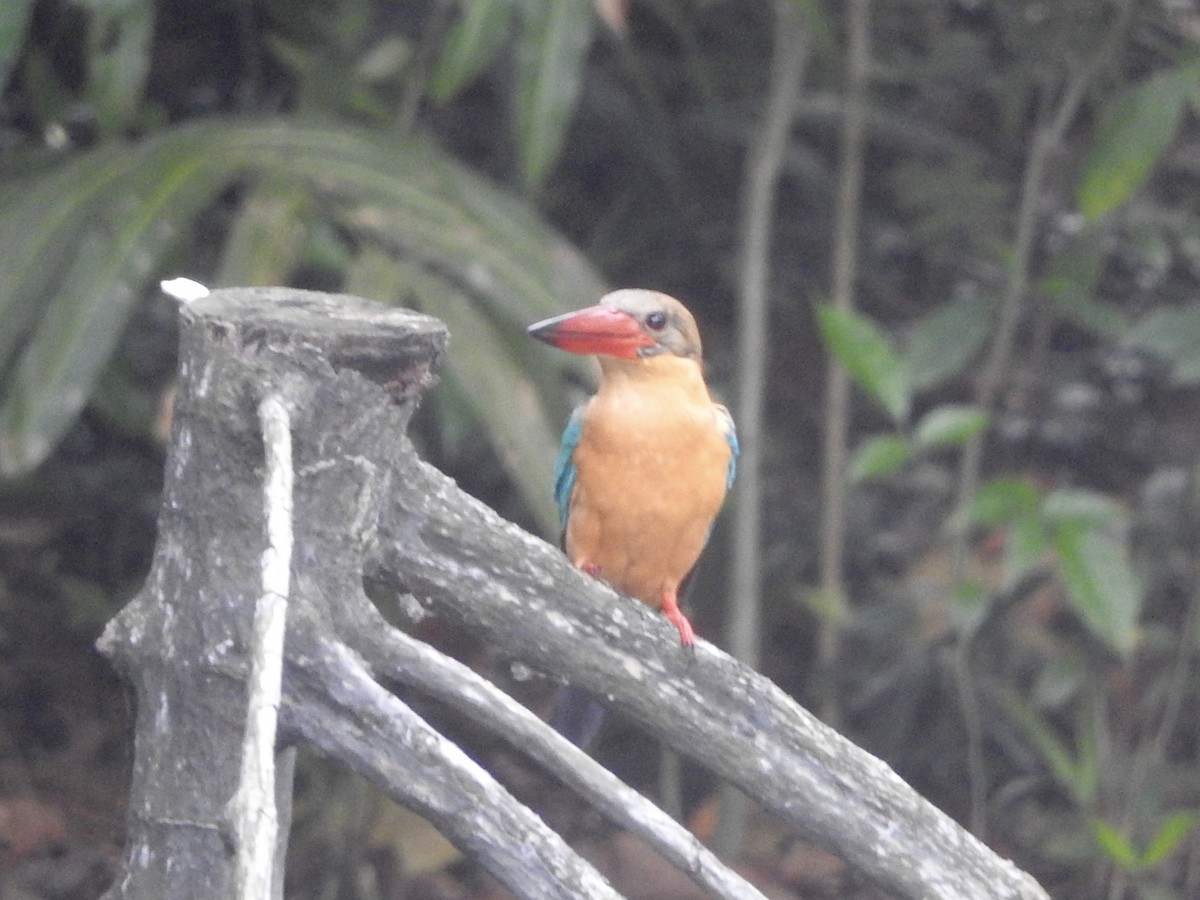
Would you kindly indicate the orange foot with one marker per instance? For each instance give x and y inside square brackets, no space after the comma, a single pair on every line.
[670,606]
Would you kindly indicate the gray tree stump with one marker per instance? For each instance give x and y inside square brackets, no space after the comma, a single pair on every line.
[365,509]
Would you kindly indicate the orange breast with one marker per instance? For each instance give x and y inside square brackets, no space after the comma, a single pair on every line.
[651,467]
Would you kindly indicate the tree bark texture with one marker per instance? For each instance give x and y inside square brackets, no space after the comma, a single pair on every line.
[368,511]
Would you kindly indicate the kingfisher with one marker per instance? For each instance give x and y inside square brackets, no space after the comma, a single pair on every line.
[645,463]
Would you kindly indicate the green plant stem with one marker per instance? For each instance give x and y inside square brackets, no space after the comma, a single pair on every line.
[837,389]
[764,164]
[1155,751]
[1048,136]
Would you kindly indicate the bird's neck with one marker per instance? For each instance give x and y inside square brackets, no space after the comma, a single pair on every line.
[666,371]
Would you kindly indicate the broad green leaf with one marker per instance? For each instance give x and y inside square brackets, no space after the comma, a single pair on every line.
[1070,284]
[945,341]
[471,44]
[1100,582]
[384,60]
[1171,833]
[268,235]
[1135,130]
[78,245]
[869,358]
[1026,546]
[551,51]
[949,426]
[487,372]
[1072,302]
[829,608]
[452,220]
[1172,335]
[40,224]
[1082,507]
[1116,845]
[101,237]
[14,21]
[1002,500]
[884,454]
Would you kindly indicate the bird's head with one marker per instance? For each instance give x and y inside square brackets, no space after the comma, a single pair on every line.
[627,324]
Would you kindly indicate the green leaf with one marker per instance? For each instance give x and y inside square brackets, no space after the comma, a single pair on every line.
[1074,775]
[472,43]
[1170,834]
[268,235]
[869,358]
[1075,303]
[949,426]
[1173,335]
[829,608]
[551,52]
[384,60]
[1100,582]
[83,244]
[1070,284]
[485,370]
[1116,845]
[884,454]
[1082,507]
[1133,134]
[1025,549]
[77,246]
[945,341]
[1003,500]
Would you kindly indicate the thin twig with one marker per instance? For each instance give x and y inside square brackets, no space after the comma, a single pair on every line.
[762,174]
[837,390]
[252,810]
[1046,140]
[420,67]
[1155,752]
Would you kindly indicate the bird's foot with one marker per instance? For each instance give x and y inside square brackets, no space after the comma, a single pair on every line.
[591,568]
[670,607]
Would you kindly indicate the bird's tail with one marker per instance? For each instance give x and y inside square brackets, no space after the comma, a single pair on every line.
[577,716]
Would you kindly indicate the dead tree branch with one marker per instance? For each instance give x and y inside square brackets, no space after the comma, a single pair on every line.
[368,511]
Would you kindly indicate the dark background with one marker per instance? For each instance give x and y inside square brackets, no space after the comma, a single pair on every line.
[1048,633]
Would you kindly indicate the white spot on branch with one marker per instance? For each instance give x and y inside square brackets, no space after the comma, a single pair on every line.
[183,289]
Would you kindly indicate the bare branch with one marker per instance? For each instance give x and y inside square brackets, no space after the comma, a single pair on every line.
[365,507]
[515,591]
[763,166]
[395,655]
[252,814]
[837,380]
[335,705]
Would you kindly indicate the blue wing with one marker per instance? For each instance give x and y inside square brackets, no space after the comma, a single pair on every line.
[564,466]
[734,449]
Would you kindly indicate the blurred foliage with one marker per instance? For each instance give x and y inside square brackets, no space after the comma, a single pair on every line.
[484,160]
[95,225]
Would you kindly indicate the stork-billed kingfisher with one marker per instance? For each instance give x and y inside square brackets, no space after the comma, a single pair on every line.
[645,463]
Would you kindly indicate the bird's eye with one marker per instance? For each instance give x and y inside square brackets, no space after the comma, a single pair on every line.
[656,321]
